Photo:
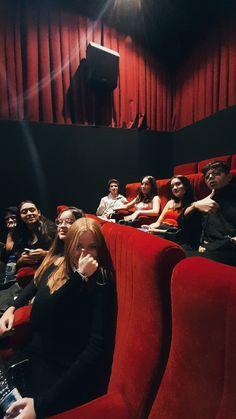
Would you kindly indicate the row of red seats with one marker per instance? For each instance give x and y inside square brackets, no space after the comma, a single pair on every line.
[199,378]
[197,181]
[196,167]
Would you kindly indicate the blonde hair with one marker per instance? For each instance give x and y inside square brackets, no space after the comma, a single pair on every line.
[61,274]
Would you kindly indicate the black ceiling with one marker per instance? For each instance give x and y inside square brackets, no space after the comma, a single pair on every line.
[170,28]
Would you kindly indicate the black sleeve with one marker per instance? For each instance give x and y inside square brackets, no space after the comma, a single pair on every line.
[95,348]
[26,295]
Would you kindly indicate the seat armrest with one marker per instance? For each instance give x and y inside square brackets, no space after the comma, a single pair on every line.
[110,405]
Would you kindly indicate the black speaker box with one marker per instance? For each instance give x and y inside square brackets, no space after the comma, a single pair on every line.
[102,66]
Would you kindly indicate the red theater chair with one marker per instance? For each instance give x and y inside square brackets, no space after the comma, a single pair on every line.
[21,326]
[143,265]
[200,377]
[25,275]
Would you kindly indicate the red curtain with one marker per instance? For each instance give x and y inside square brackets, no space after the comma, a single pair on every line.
[206,83]
[43,72]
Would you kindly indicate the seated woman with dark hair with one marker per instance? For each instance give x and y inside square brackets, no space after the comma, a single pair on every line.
[36,234]
[72,324]
[147,202]
[173,220]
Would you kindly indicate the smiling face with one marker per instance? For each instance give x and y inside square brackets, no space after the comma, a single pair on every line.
[29,213]
[177,188]
[114,189]
[64,222]
[86,243]
[145,186]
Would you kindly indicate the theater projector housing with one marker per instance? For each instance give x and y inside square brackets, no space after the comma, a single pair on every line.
[102,66]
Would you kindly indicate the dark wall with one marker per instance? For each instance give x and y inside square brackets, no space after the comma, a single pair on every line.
[56,164]
[212,136]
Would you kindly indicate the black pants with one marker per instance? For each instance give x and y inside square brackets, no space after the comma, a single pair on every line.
[228,257]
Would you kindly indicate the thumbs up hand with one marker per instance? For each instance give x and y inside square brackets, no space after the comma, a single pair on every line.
[207,205]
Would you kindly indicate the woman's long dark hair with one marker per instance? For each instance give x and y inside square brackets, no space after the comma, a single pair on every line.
[41,229]
[150,195]
[188,197]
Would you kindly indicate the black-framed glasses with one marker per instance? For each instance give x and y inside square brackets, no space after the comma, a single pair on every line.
[66,221]
[212,173]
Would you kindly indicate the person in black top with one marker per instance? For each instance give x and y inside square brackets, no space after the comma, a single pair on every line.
[36,233]
[218,239]
[11,218]
[7,249]
[72,323]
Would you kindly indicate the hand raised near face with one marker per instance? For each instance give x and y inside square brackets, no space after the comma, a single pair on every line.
[87,265]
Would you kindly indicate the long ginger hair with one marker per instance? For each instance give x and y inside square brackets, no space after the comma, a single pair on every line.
[62,272]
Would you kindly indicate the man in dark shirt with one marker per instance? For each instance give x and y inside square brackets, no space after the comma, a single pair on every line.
[218,239]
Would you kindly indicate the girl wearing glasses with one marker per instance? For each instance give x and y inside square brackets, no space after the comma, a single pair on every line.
[72,324]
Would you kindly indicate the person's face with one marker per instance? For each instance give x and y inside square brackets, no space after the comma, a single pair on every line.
[64,222]
[215,179]
[145,186]
[87,244]
[113,189]
[10,220]
[177,188]
[29,213]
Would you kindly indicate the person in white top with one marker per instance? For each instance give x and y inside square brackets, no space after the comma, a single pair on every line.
[147,202]
[112,201]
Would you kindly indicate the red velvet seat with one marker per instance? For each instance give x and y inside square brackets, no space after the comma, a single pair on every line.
[21,325]
[202,163]
[200,378]
[25,275]
[143,265]
[185,168]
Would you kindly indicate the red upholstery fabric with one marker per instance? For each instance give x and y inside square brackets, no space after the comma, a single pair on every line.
[61,208]
[202,163]
[131,190]
[200,378]
[99,220]
[185,169]
[21,326]
[233,161]
[163,191]
[143,265]
[112,405]
[199,186]
[21,333]
[25,275]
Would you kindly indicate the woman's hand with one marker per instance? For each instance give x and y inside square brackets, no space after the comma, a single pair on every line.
[21,409]
[37,254]
[87,264]
[31,257]
[154,225]
[132,217]
[201,249]
[6,321]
